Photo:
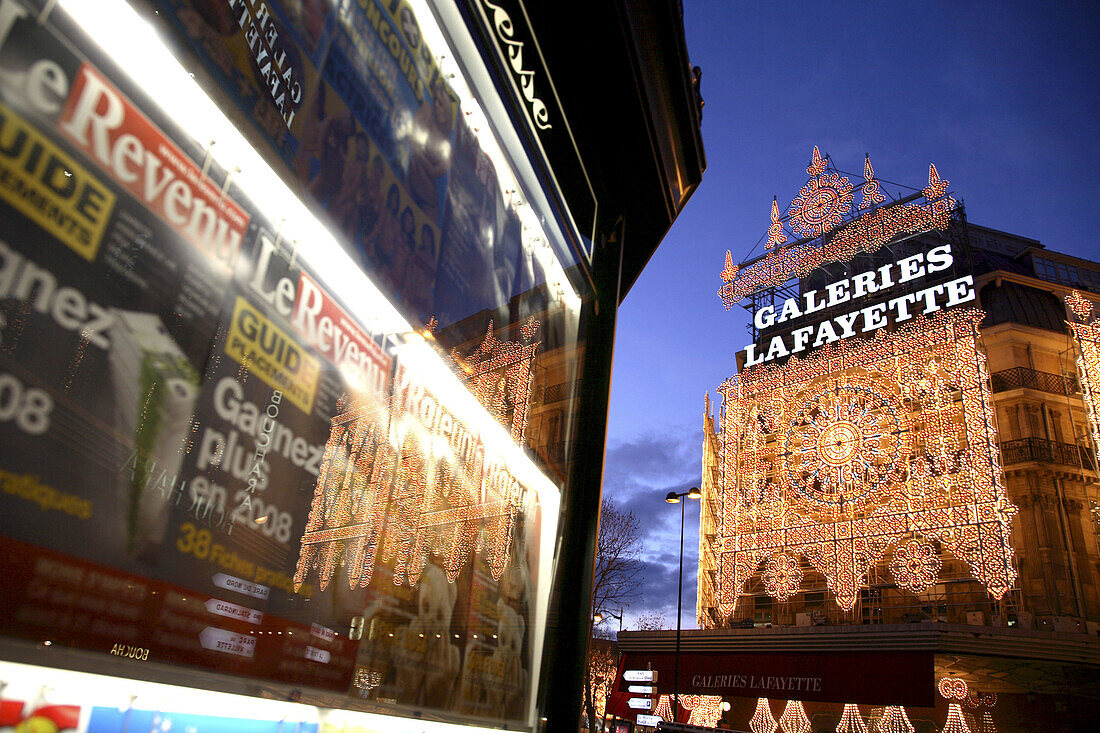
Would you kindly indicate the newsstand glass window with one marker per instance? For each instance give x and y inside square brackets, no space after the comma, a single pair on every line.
[289,358]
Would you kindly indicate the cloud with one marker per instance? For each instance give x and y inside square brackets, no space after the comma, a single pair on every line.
[651,459]
[637,475]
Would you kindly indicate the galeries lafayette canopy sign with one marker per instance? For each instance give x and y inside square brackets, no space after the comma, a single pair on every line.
[866,677]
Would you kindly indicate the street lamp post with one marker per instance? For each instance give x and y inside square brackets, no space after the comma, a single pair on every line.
[674,498]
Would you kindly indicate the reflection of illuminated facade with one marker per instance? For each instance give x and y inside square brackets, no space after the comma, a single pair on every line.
[437,496]
[499,374]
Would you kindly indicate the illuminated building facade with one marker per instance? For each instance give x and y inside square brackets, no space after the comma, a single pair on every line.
[1035,352]
[900,485]
[306,315]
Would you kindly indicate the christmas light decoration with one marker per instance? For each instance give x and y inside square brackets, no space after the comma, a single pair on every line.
[850,720]
[395,485]
[783,576]
[981,699]
[831,230]
[955,722]
[664,707]
[936,186]
[706,710]
[916,566]
[793,719]
[367,679]
[1079,305]
[730,270]
[862,446]
[821,204]
[817,164]
[894,720]
[774,269]
[1085,327]
[775,231]
[871,193]
[953,688]
[499,374]
[871,231]
[762,720]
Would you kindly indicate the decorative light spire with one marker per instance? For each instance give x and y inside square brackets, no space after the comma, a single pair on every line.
[955,722]
[985,725]
[729,272]
[1080,306]
[936,186]
[817,164]
[775,231]
[871,193]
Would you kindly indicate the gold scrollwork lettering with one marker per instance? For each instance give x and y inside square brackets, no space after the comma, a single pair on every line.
[505,31]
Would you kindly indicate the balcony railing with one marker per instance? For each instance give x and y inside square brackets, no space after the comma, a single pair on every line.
[1018,377]
[1044,451]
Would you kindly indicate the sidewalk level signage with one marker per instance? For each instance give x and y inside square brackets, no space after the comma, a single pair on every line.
[640,675]
[642,689]
[640,703]
[645,719]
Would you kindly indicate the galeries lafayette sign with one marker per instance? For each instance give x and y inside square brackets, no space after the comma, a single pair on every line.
[863,320]
[872,678]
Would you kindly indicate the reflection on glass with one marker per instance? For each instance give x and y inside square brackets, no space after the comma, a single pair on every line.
[292,401]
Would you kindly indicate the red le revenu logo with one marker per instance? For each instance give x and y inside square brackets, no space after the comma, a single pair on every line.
[132,150]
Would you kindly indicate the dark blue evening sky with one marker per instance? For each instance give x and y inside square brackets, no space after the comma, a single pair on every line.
[1003,98]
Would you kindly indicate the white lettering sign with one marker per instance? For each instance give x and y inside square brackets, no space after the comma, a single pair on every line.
[227,642]
[640,675]
[234,583]
[863,320]
[232,610]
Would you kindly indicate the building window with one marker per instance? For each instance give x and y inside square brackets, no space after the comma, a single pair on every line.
[762,611]
[871,605]
[1094,510]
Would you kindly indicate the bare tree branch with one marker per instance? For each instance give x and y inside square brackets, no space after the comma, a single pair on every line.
[614,587]
[651,622]
[617,549]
